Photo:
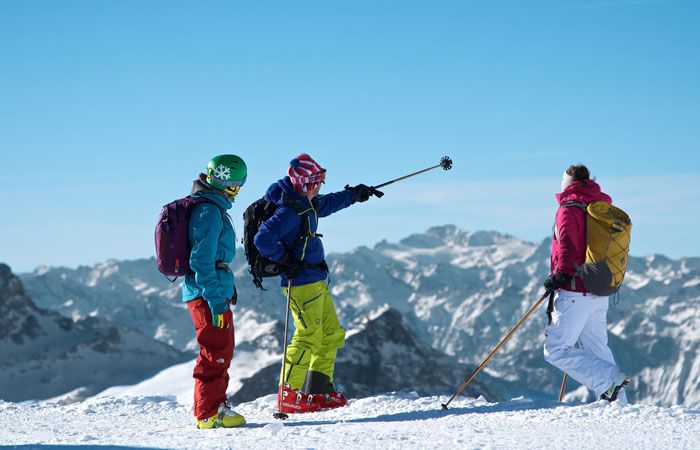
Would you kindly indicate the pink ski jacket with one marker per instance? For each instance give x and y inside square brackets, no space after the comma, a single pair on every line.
[569,237]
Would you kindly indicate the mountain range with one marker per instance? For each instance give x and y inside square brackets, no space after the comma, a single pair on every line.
[45,354]
[456,293]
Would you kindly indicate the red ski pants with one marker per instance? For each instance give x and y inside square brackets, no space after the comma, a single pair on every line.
[215,354]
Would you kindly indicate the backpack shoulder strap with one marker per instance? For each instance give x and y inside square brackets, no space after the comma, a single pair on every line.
[305,227]
[199,200]
[300,209]
[192,201]
[583,206]
[298,206]
[577,204]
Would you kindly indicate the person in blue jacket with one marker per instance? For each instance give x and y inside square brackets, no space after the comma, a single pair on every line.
[209,290]
[289,237]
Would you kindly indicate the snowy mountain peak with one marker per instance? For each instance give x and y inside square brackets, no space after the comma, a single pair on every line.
[45,353]
[383,353]
[21,322]
[458,292]
[451,235]
[450,245]
[102,271]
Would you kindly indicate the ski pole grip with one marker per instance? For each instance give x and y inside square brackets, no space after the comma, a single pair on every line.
[376,192]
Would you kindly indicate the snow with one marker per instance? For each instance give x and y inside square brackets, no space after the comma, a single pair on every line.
[691,283]
[389,421]
[177,382]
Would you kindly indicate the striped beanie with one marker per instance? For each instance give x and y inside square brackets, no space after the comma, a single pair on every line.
[305,173]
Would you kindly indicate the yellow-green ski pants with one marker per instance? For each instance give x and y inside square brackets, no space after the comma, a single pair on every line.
[317,336]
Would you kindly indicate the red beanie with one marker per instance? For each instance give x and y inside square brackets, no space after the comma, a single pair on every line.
[305,173]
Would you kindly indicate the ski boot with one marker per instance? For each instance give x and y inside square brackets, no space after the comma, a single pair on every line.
[321,387]
[295,402]
[611,394]
[224,418]
[331,400]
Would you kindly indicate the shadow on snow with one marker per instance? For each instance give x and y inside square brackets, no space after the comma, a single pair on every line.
[437,413]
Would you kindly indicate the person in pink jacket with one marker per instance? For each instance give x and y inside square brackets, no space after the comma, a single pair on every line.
[579,317]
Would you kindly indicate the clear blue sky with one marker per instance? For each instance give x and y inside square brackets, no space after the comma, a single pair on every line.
[109,109]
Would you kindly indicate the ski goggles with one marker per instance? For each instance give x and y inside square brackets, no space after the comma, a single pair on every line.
[233,191]
[311,179]
[230,187]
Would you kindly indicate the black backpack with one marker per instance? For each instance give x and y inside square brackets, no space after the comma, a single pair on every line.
[257,213]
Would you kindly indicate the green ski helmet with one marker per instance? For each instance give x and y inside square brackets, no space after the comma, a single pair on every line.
[228,173]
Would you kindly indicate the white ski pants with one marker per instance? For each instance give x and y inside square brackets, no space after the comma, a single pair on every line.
[582,318]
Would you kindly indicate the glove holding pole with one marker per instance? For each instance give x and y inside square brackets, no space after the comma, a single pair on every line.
[556,281]
[290,264]
[363,192]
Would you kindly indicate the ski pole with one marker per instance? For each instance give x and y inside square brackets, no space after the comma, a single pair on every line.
[563,386]
[445,163]
[483,363]
[279,414]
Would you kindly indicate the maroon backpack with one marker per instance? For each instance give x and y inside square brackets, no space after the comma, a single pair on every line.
[172,241]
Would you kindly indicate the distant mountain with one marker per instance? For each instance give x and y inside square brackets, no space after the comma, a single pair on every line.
[124,292]
[135,294]
[45,354]
[381,354]
[464,291]
[458,292]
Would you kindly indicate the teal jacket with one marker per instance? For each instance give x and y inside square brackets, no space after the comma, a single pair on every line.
[212,239]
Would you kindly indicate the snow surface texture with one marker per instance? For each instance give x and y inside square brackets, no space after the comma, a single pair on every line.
[392,421]
[460,293]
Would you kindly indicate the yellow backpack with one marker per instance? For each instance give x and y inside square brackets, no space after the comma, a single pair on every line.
[608,231]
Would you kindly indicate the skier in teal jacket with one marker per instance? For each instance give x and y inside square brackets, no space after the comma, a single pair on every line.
[210,290]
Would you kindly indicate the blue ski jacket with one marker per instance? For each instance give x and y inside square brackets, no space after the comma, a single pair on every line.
[278,234]
[212,239]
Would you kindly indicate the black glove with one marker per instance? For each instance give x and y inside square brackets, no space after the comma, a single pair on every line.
[234,297]
[363,192]
[290,265]
[555,281]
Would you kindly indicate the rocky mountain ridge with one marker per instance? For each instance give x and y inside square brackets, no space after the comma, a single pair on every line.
[45,353]
[459,292]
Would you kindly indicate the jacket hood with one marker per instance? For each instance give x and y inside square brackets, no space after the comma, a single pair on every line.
[200,188]
[587,191]
[276,192]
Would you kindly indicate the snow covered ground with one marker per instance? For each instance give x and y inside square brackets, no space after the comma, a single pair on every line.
[385,421]
[177,382]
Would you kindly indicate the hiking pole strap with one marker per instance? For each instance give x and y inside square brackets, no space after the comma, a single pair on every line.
[550,308]
[493,352]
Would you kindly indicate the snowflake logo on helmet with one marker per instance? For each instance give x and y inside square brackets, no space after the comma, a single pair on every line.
[222,172]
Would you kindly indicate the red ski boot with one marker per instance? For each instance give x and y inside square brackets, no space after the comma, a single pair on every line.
[321,387]
[331,400]
[294,401]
